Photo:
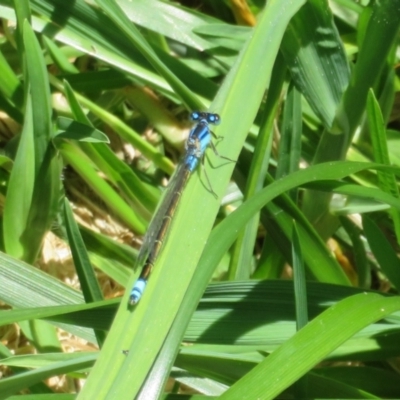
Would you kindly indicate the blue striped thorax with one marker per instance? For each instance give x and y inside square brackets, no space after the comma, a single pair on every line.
[199,138]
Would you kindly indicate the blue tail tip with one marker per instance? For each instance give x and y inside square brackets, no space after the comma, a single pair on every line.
[137,291]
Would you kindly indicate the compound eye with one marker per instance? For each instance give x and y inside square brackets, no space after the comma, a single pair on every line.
[195,116]
[213,119]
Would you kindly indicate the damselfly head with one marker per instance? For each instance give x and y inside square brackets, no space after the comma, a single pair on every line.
[209,117]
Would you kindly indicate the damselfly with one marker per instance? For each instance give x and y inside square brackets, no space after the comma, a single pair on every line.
[198,141]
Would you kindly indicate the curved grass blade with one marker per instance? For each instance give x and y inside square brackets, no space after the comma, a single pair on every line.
[247,80]
[310,345]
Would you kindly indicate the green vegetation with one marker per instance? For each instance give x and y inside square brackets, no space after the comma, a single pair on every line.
[97,94]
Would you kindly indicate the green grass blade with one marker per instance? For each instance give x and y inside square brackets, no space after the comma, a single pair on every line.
[22,282]
[242,254]
[300,293]
[117,15]
[162,15]
[77,314]
[361,259]
[387,181]
[366,378]
[90,287]
[122,129]
[79,161]
[47,166]
[219,241]
[130,70]
[290,145]
[116,170]
[248,79]
[20,189]
[299,279]
[335,141]
[310,345]
[10,86]
[40,94]
[87,278]
[319,259]
[375,48]
[73,130]
[320,68]
[372,194]
[23,380]
[383,251]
